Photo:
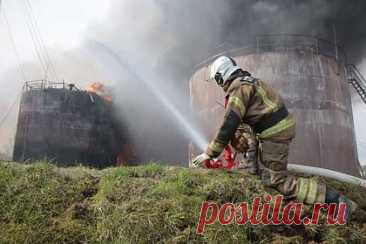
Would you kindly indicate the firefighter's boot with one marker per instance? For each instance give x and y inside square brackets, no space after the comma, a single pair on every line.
[332,196]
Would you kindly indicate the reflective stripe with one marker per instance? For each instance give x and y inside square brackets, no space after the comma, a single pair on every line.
[238,103]
[280,126]
[216,147]
[307,191]
[313,192]
[263,94]
[302,189]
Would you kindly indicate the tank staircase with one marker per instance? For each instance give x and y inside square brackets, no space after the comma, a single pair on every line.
[357,80]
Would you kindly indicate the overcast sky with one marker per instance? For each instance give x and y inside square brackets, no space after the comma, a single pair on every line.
[64,25]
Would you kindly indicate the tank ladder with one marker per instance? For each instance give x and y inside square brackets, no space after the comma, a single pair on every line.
[357,80]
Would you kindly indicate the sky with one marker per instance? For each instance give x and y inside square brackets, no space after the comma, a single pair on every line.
[64,26]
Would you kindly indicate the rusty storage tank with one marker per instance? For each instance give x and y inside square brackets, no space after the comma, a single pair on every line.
[311,76]
[67,126]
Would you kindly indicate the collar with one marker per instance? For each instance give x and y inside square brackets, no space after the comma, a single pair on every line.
[233,86]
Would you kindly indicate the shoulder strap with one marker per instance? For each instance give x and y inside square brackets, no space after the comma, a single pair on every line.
[249,79]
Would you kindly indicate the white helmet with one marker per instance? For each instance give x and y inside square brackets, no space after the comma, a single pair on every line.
[222,68]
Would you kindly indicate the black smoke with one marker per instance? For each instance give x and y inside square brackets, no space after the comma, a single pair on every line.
[200,26]
[329,19]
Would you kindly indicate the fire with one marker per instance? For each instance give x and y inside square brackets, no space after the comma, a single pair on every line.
[127,155]
[101,90]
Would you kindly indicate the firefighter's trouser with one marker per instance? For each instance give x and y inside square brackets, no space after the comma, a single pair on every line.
[273,173]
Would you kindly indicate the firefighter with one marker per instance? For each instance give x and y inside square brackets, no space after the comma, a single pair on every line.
[252,101]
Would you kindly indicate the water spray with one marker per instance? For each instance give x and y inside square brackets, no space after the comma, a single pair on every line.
[197,138]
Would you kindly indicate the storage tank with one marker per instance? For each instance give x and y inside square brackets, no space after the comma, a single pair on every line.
[68,126]
[310,74]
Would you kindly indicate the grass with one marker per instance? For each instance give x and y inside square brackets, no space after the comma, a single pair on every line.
[41,203]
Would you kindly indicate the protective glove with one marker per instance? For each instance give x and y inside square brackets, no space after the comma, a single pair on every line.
[198,161]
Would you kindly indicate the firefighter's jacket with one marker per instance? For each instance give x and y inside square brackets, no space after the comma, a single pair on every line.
[254,102]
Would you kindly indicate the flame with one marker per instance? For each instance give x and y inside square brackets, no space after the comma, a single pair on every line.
[100,89]
[127,155]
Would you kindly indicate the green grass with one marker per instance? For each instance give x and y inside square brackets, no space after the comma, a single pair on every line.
[42,203]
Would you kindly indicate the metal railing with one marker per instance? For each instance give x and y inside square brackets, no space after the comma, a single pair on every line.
[43,85]
[279,43]
[285,42]
[357,80]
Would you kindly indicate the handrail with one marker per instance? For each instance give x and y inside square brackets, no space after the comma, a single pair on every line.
[266,43]
[357,80]
[43,85]
[359,75]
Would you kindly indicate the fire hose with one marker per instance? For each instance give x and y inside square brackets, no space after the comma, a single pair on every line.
[229,163]
[327,173]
